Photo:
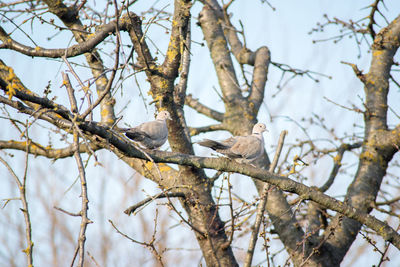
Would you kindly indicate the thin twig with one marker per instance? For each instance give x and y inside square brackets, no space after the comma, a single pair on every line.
[133,208]
[372,22]
[383,259]
[388,202]
[22,187]
[71,92]
[337,164]
[148,245]
[344,107]
[75,254]
[67,212]
[266,240]
[74,109]
[215,177]
[184,220]
[229,242]
[85,201]
[28,228]
[93,259]
[358,72]
[84,88]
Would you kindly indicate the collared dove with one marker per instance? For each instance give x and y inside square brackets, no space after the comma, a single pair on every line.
[244,149]
[152,134]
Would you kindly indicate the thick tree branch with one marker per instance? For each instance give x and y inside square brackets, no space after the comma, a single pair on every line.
[180,23]
[9,82]
[87,46]
[260,72]
[376,154]
[206,129]
[220,55]
[181,87]
[43,114]
[259,59]
[242,54]
[11,88]
[145,58]
[391,139]
[200,108]
[48,152]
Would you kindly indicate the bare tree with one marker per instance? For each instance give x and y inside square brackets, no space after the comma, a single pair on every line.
[316,229]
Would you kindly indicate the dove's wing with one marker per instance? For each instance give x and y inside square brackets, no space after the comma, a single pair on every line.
[247,147]
[155,130]
[136,134]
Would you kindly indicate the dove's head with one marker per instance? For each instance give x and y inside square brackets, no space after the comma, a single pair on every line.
[163,115]
[259,128]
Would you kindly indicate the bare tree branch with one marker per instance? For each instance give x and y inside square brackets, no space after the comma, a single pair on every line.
[25,208]
[133,208]
[337,164]
[150,245]
[87,46]
[376,153]
[196,105]
[206,129]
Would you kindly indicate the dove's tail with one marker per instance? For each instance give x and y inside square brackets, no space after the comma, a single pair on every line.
[213,144]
